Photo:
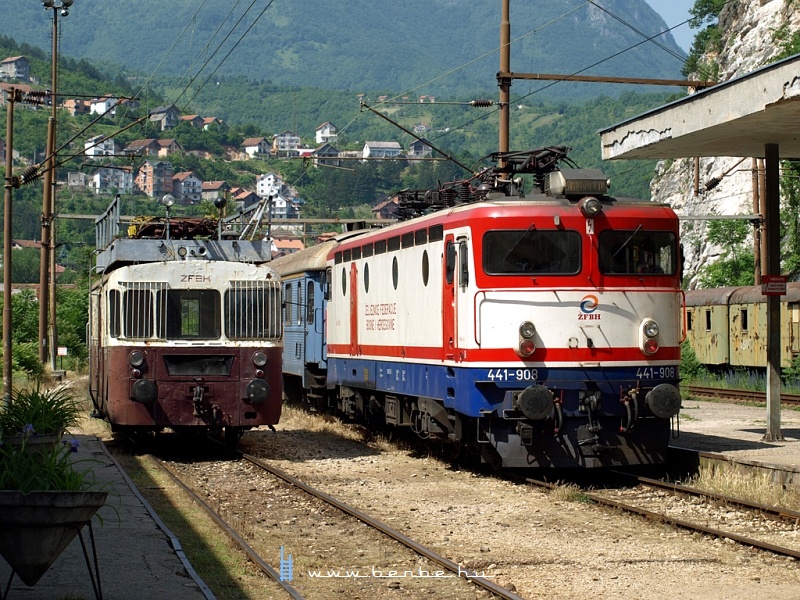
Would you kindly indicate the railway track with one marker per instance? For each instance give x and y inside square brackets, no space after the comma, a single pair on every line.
[732,395]
[768,528]
[455,570]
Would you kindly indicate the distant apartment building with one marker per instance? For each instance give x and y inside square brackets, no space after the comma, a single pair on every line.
[113,180]
[15,67]
[99,146]
[187,187]
[285,143]
[154,178]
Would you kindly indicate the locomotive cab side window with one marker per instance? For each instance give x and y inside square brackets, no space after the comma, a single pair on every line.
[637,252]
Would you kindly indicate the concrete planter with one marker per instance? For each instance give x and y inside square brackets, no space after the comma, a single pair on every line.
[36,527]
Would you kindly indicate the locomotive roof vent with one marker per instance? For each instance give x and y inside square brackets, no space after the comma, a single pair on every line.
[576,182]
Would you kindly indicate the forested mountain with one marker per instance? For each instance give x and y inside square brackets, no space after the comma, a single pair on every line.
[432,47]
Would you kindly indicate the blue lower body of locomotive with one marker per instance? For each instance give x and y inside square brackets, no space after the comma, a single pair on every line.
[598,417]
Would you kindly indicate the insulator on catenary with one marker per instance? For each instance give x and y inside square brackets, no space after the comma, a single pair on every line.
[30,174]
[712,183]
[481,103]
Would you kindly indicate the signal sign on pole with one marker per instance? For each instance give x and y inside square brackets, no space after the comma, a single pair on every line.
[773,285]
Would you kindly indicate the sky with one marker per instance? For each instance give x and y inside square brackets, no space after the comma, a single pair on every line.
[674,12]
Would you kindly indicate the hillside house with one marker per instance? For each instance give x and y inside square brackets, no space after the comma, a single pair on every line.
[77,107]
[256,146]
[99,146]
[148,147]
[107,105]
[113,180]
[386,209]
[381,150]
[15,67]
[420,149]
[77,180]
[193,120]
[154,178]
[288,245]
[268,184]
[326,155]
[285,143]
[212,122]
[326,133]
[242,198]
[166,117]
[187,187]
[167,147]
[214,189]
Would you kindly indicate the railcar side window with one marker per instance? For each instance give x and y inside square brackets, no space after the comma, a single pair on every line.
[637,251]
[253,310]
[113,313]
[531,251]
[188,314]
[310,302]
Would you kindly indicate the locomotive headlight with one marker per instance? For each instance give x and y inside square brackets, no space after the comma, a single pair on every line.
[259,359]
[648,332]
[650,328]
[136,358]
[590,206]
[527,330]
[526,344]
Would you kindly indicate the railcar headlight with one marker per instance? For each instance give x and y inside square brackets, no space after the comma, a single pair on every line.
[136,358]
[527,330]
[650,328]
[259,359]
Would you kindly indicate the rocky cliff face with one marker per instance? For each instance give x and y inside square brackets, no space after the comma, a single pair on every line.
[749,34]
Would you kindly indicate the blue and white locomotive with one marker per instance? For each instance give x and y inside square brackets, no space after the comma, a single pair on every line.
[541,329]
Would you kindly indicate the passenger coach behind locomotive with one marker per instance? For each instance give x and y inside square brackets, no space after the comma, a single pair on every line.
[185,329]
[543,329]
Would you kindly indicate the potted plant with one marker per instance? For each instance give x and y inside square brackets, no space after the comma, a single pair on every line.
[44,500]
[35,413]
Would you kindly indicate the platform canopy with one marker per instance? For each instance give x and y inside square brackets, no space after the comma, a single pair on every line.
[756,115]
[734,118]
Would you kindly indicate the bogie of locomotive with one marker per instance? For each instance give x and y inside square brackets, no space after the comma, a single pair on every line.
[543,331]
[185,332]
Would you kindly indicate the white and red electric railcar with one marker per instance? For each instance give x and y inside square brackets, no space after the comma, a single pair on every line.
[185,329]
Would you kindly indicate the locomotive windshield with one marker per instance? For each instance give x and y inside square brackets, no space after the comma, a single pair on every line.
[531,251]
[638,251]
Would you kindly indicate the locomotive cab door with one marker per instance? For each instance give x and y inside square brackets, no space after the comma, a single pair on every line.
[456,277]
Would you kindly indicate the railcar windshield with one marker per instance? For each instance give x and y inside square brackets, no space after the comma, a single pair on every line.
[531,251]
[638,251]
[188,314]
[253,310]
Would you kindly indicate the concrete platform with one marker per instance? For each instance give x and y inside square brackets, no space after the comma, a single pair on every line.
[138,557]
[735,433]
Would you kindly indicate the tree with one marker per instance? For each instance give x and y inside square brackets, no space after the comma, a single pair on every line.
[736,264]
